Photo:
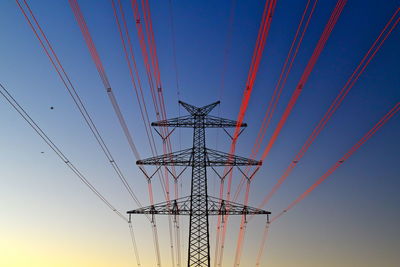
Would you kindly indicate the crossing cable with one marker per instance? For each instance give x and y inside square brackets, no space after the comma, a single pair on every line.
[317,51]
[346,156]
[334,167]
[152,72]
[306,74]
[262,245]
[154,62]
[11,100]
[173,41]
[150,75]
[255,62]
[39,33]
[153,75]
[287,66]
[154,69]
[96,58]
[336,103]
[134,244]
[310,65]
[178,94]
[227,49]
[226,54]
[334,106]
[389,27]
[130,58]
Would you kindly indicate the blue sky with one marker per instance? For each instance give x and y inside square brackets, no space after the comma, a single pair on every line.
[350,220]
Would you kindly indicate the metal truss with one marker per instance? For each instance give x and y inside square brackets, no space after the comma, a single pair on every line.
[184,157]
[199,206]
[189,122]
[216,206]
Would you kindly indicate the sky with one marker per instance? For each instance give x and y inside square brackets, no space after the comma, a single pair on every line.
[49,218]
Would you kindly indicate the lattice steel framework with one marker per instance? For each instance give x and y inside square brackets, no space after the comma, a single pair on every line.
[199,206]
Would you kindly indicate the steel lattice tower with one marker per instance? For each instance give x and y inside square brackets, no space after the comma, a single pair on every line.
[199,206]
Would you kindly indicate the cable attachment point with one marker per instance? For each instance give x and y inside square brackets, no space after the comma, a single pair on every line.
[222,177]
[176,177]
[231,137]
[245,212]
[222,211]
[152,212]
[248,178]
[164,139]
[149,176]
[175,210]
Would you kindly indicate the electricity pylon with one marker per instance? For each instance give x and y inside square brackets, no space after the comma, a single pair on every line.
[198,205]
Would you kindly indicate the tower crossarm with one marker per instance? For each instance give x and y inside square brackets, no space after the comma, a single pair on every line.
[217,122]
[216,206]
[184,157]
[190,122]
[183,121]
[178,158]
[218,158]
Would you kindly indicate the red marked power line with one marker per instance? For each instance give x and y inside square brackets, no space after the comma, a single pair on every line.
[255,62]
[389,27]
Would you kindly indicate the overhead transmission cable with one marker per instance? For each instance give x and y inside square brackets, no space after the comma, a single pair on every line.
[389,27]
[287,66]
[178,94]
[226,54]
[255,62]
[96,58]
[311,63]
[345,157]
[148,47]
[139,93]
[47,47]
[153,75]
[283,76]
[135,78]
[13,102]
[306,74]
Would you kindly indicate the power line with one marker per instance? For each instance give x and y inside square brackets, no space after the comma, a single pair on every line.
[335,166]
[255,62]
[11,100]
[134,244]
[129,56]
[96,58]
[55,61]
[389,27]
[153,74]
[346,156]
[287,66]
[306,74]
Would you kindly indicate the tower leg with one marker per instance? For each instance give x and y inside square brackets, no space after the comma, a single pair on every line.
[199,245]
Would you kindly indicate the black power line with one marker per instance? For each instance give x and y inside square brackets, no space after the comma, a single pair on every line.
[11,100]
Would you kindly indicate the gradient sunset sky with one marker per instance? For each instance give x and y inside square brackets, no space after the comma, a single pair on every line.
[50,219]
